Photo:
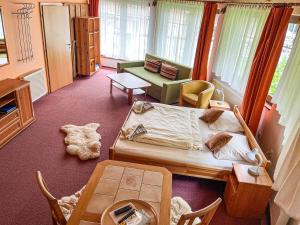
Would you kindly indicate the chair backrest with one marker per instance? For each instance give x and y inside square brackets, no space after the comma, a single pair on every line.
[205,214]
[56,212]
[205,94]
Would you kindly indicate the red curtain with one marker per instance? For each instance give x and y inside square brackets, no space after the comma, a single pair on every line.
[93,7]
[204,41]
[264,65]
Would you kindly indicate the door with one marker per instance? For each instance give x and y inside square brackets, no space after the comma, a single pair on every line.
[58,45]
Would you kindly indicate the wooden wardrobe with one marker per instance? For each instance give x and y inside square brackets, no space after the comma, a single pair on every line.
[87,45]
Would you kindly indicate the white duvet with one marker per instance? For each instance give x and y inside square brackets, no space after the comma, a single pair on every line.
[180,127]
[166,125]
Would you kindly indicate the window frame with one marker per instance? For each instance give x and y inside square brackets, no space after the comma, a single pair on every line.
[295,19]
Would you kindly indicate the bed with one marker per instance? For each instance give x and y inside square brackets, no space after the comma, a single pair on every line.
[180,158]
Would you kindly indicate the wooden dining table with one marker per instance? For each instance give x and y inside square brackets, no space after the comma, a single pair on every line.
[113,181]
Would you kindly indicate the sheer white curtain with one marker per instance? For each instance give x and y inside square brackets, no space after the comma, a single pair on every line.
[125,28]
[287,171]
[131,28]
[176,30]
[241,31]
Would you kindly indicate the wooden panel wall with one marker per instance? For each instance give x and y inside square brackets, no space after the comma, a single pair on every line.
[75,10]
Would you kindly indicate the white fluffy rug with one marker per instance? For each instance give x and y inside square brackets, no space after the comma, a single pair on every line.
[83,140]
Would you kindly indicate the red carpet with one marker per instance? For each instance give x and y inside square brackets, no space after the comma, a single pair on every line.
[41,147]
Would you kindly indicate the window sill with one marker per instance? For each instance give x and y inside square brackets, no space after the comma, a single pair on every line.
[268,103]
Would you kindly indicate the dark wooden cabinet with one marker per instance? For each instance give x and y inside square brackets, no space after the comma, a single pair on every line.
[15,92]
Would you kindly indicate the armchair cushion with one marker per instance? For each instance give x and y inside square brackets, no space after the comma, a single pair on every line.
[190,98]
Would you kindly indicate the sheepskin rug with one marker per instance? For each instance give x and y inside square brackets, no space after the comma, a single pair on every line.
[179,207]
[68,203]
[83,141]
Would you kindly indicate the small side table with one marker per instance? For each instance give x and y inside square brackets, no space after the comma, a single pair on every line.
[247,196]
[219,105]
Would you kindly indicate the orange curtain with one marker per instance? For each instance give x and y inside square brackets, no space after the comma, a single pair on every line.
[264,65]
[93,7]
[204,41]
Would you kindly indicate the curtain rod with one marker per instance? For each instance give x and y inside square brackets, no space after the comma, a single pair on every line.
[249,3]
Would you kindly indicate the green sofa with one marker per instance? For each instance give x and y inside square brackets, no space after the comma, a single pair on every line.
[163,89]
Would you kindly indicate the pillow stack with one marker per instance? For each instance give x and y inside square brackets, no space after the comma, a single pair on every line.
[152,65]
[169,71]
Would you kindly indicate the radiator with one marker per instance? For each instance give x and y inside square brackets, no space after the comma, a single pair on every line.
[37,84]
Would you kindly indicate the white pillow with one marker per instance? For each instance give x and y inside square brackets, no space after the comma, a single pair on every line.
[235,150]
[227,122]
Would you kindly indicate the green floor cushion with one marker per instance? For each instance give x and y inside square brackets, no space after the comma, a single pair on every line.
[153,78]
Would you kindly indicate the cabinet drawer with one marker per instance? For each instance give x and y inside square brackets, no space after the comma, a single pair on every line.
[10,131]
[7,119]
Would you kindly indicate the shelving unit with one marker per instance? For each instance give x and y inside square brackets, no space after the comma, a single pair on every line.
[87,44]
[6,101]
[15,92]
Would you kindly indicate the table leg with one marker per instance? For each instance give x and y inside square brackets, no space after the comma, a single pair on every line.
[130,95]
[111,84]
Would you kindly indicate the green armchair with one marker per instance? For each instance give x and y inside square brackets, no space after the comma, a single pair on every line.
[196,93]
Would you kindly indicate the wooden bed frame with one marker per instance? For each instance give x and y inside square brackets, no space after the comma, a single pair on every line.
[215,173]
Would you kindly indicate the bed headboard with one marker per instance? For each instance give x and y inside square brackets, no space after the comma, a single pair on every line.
[251,139]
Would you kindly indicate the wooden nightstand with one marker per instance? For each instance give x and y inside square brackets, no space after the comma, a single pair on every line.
[247,196]
[219,105]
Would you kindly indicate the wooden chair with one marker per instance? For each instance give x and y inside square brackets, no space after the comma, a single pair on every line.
[57,215]
[205,215]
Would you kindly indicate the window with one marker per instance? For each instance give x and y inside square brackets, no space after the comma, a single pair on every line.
[177,30]
[241,31]
[124,28]
[285,54]
[131,28]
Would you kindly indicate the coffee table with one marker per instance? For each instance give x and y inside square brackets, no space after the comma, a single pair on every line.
[129,83]
[113,181]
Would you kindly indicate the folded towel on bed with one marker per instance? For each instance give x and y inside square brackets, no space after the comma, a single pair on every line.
[131,133]
[141,107]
